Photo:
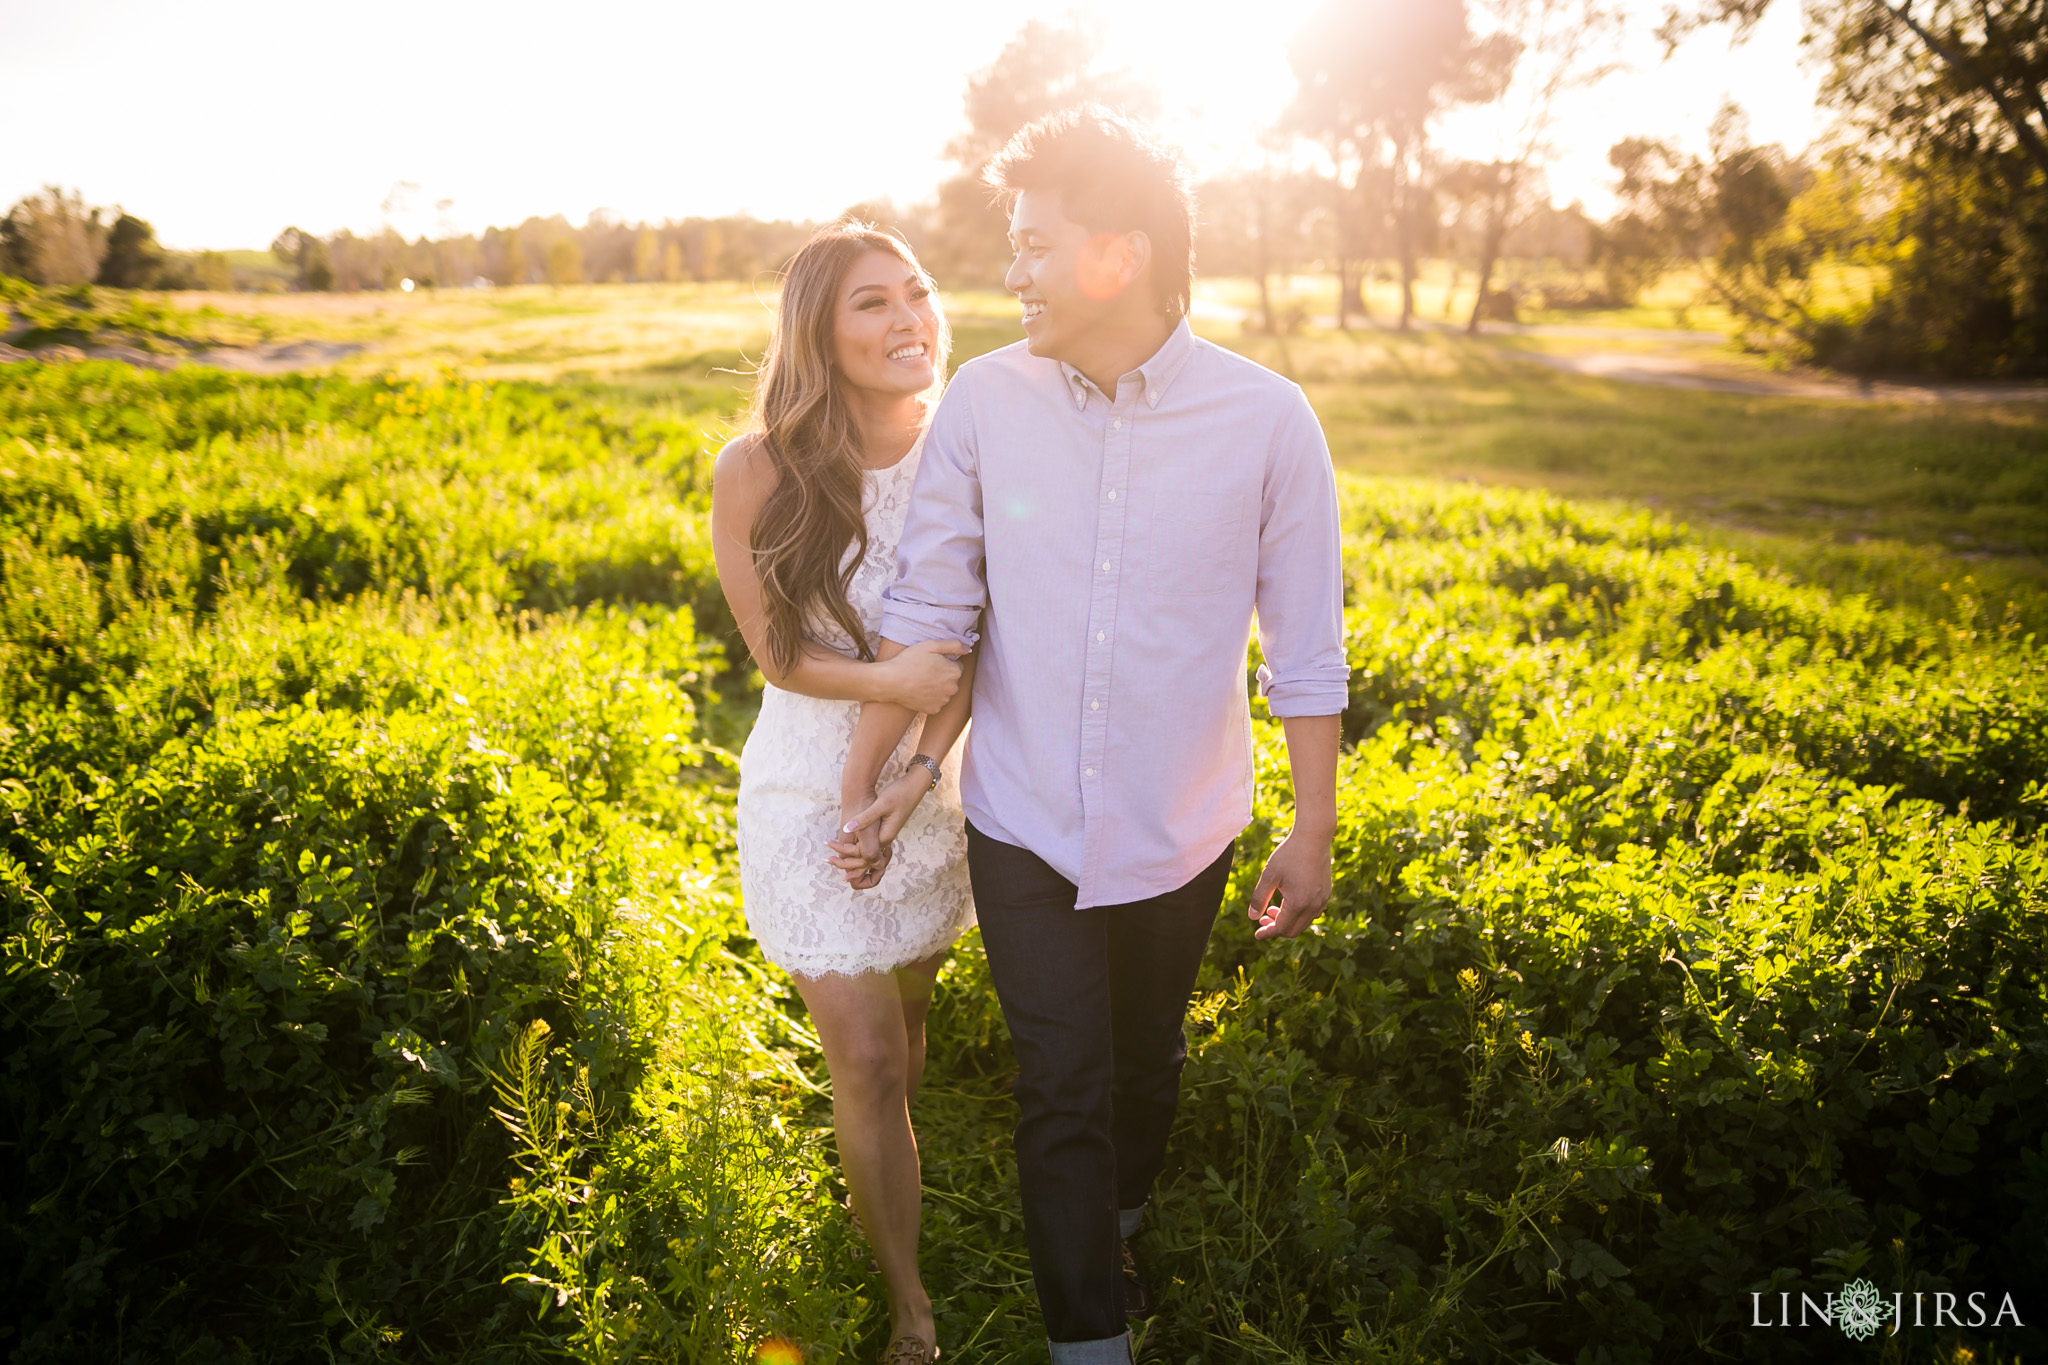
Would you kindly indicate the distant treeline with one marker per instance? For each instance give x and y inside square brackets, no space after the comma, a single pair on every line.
[1241,232]
[56,239]
[1279,223]
[543,251]
[1917,244]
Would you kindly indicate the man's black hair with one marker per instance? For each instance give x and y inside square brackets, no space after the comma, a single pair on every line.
[1111,175]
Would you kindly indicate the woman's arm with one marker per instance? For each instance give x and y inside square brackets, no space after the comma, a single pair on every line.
[922,679]
[874,818]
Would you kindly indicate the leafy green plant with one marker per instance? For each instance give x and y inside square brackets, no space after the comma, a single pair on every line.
[373,983]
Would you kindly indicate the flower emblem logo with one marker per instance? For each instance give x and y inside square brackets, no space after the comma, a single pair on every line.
[1859,1309]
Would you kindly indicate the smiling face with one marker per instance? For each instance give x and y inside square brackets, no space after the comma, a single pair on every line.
[885,327]
[1073,284]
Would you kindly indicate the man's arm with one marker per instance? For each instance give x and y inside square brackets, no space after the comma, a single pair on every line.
[939,590]
[1298,873]
[1305,676]
[938,594]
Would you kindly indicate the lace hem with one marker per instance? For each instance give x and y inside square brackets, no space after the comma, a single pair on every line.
[858,964]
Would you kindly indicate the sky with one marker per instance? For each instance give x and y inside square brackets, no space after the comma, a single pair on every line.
[224,121]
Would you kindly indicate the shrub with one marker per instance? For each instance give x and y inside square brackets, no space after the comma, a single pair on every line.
[372,983]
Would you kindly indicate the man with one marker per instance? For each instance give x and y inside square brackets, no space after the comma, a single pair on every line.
[1112,500]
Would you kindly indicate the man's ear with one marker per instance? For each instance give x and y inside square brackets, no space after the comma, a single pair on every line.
[1137,255]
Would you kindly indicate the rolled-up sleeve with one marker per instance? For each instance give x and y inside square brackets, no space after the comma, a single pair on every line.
[939,590]
[1301,573]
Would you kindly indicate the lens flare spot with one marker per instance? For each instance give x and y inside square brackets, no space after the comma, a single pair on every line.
[779,1351]
[1099,268]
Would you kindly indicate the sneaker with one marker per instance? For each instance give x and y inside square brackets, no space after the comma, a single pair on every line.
[1137,1291]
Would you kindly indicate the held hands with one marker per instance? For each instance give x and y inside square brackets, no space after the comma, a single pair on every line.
[1294,887]
[923,678]
[869,833]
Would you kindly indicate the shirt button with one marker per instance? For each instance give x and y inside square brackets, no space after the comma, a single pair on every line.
[1118,422]
[1098,635]
[1094,705]
[1112,495]
[1087,772]
[1105,566]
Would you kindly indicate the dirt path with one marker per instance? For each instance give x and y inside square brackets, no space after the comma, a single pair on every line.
[278,357]
[1680,371]
[273,358]
[1686,362]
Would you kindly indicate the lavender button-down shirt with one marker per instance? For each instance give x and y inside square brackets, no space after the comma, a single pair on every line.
[1116,549]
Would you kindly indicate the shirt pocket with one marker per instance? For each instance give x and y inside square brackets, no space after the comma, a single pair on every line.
[1194,544]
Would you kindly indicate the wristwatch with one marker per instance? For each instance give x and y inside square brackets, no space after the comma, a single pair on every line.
[928,763]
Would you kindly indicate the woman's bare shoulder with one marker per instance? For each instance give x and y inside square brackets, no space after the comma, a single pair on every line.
[743,467]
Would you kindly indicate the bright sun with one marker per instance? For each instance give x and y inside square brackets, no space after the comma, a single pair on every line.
[1221,82]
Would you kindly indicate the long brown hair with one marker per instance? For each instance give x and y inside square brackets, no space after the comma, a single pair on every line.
[807,430]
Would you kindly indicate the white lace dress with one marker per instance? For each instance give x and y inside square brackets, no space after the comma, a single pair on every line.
[803,914]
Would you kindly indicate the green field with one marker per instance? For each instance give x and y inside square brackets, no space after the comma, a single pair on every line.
[375,986]
[1935,506]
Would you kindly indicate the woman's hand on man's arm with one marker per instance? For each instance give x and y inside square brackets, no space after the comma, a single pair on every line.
[922,678]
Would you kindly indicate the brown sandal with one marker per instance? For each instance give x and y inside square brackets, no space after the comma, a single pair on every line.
[910,1350]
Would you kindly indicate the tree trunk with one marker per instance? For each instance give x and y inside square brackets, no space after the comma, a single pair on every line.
[1342,225]
[1489,252]
[1404,235]
[1407,279]
[1265,261]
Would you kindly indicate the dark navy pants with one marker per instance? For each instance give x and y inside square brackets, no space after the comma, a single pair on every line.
[1094,1000]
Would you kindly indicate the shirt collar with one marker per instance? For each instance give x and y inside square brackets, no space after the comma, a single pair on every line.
[1158,373]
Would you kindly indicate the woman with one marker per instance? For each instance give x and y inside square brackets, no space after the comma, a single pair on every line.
[806,508]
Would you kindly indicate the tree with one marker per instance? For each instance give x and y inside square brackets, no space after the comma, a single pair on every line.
[1260,223]
[1048,66]
[1550,47]
[504,256]
[1370,74]
[307,256]
[1658,219]
[53,238]
[647,254]
[1953,98]
[133,259]
[1917,63]
[1759,223]
[210,270]
[564,262]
